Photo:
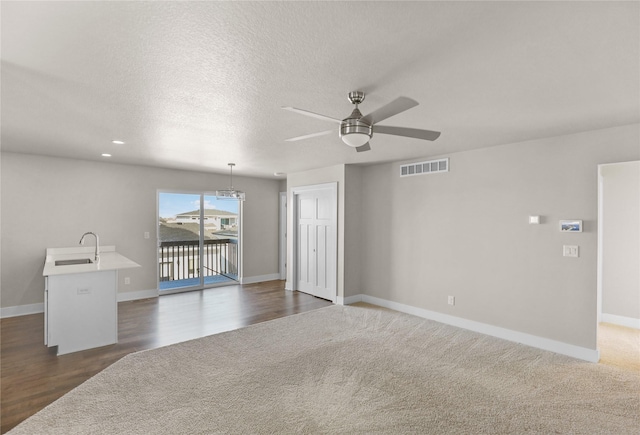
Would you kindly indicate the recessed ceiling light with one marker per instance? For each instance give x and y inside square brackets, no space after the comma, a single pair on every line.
[278,174]
[106,155]
[117,142]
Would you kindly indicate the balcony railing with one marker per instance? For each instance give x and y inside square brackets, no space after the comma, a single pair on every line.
[180,260]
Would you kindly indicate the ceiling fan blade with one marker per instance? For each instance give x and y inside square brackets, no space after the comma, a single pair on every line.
[312,114]
[398,105]
[308,136]
[365,147]
[408,132]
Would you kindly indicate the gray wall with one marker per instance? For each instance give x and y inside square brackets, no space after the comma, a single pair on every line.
[465,233]
[353,232]
[50,202]
[621,240]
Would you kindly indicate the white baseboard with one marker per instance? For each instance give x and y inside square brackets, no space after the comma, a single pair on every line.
[24,310]
[348,300]
[21,310]
[259,278]
[582,353]
[140,294]
[629,322]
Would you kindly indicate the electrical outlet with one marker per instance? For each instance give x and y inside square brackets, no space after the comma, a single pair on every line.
[451,300]
[127,280]
[146,234]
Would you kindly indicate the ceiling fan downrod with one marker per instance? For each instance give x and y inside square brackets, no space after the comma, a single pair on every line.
[354,132]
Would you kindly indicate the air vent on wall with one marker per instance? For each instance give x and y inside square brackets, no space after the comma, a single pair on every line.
[420,168]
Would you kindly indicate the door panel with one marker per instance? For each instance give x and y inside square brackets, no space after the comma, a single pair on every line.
[321,258]
[324,208]
[303,261]
[307,208]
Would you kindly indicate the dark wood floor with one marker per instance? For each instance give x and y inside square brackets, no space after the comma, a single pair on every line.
[32,376]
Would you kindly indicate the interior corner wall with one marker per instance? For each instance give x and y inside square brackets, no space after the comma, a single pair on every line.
[621,240]
[49,202]
[465,233]
[353,230]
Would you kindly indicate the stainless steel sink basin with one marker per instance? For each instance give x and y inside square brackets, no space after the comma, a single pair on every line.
[72,262]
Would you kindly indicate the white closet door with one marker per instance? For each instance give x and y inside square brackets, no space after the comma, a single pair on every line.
[317,243]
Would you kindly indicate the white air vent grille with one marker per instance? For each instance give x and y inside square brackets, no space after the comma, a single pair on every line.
[421,168]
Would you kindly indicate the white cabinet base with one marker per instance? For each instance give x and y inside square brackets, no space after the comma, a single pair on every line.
[81,310]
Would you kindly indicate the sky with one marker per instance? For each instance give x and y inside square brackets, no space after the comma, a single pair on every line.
[171,204]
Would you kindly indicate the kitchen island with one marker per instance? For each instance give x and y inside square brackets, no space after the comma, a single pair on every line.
[80,297]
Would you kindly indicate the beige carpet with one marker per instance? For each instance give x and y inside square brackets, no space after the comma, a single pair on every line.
[619,346]
[347,370]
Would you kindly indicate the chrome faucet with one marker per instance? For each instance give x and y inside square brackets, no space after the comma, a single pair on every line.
[97,244]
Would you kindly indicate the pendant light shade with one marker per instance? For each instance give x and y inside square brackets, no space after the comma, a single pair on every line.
[230,193]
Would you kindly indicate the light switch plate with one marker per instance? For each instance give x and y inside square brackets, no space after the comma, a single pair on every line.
[570,251]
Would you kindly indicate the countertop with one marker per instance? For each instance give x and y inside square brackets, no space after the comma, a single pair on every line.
[109,260]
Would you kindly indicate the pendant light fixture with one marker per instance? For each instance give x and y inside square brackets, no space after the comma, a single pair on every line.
[230,193]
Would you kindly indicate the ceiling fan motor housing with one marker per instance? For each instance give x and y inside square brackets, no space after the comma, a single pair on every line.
[354,132]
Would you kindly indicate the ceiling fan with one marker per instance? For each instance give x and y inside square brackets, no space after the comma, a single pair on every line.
[356,130]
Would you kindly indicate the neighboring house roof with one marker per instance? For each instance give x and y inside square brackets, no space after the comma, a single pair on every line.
[178,233]
[175,232]
[208,212]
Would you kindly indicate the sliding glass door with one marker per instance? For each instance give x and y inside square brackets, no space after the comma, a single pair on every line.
[220,250]
[197,241]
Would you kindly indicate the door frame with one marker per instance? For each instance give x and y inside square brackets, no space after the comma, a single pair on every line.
[201,285]
[333,190]
[600,315]
[282,239]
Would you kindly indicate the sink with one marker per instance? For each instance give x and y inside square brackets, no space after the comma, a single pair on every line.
[72,262]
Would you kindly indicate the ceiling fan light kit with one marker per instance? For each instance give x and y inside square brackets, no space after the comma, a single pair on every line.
[356,130]
[355,133]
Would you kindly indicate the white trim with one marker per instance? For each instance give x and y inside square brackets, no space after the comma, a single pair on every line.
[259,278]
[282,236]
[582,353]
[312,187]
[629,322]
[140,294]
[349,300]
[22,310]
[288,286]
[599,252]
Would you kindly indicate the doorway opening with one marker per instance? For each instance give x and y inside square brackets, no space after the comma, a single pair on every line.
[197,241]
[618,282]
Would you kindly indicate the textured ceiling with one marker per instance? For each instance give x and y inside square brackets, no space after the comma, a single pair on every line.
[195,85]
